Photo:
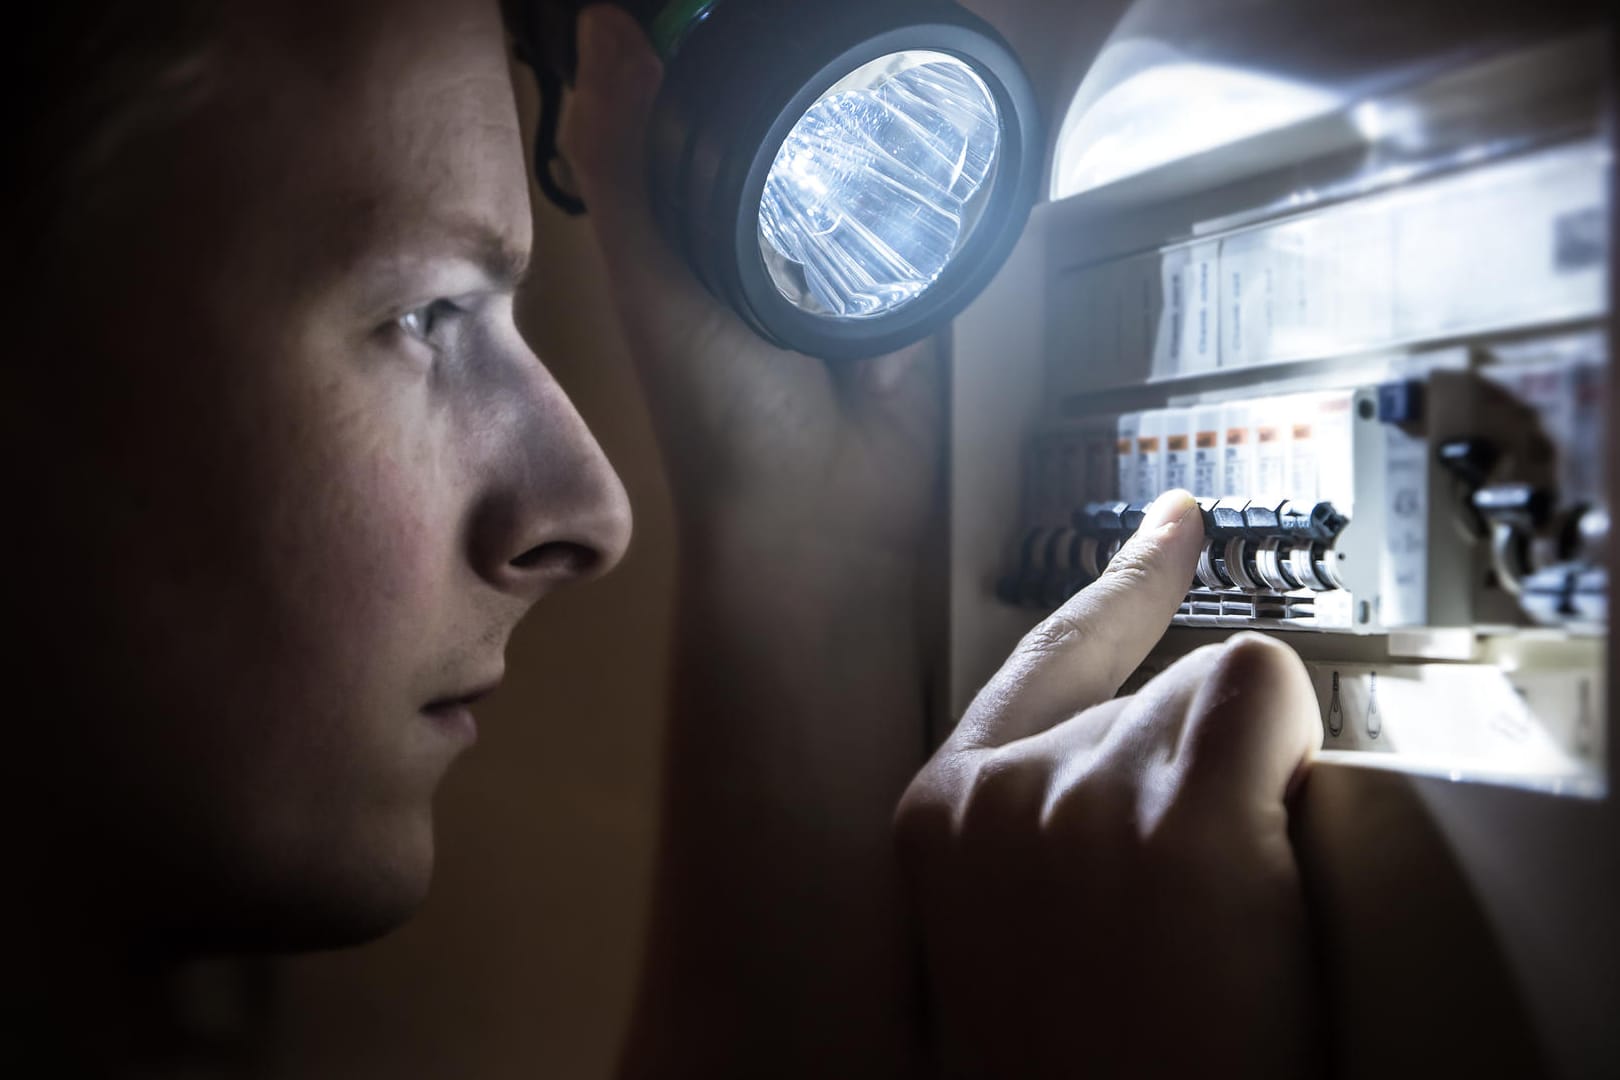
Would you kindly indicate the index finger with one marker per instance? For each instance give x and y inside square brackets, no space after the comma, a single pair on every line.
[1083,652]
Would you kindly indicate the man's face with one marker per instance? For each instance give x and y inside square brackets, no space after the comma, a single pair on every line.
[296,475]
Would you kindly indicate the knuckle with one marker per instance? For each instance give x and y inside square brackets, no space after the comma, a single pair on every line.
[1054,634]
[1136,565]
[924,823]
[1126,572]
[998,789]
[1097,810]
[1074,626]
[973,803]
[921,837]
[1252,662]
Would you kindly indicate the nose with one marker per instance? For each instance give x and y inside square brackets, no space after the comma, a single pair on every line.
[551,509]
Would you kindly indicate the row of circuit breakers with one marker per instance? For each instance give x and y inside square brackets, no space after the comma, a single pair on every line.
[1450,497]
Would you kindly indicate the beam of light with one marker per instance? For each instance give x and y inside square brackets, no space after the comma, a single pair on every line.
[879,185]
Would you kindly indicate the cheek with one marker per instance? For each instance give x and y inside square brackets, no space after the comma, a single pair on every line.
[371,514]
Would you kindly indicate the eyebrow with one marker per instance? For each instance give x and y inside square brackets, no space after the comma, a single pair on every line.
[492,251]
[478,241]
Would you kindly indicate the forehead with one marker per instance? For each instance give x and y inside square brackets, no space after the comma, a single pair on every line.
[384,124]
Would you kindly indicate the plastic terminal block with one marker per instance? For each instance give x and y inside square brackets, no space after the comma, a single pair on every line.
[1261,522]
[1104,519]
[1212,568]
[1321,524]
[1022,584]
[1225,519]
[1102,530]
[1324,577]
[1238,563]
[1273,565]
[1260,560]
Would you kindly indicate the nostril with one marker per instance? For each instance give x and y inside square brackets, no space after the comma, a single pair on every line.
[558,558]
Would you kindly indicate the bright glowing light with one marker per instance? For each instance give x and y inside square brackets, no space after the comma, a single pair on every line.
[1169,111]
[1382,121]
[879,184]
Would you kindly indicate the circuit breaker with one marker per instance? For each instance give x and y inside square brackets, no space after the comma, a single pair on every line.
[1458,498]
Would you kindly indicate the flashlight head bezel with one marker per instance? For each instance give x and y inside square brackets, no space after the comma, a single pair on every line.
[726,109]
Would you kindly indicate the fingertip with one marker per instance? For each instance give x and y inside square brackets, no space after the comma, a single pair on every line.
[1168,541]
[1175,521]
[1169,509]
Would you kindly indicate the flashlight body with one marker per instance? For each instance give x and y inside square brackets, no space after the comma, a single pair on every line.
[739,75]
[735,91]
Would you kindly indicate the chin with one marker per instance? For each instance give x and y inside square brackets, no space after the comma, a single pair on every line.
[336,898]
[353,919]
[361,901]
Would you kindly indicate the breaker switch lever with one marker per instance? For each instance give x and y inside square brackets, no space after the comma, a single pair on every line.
[1522,505]
[1469,460]
[1225,520]
[1321,524]
[1514,512]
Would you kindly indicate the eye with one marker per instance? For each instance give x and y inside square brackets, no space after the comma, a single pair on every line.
[423,322]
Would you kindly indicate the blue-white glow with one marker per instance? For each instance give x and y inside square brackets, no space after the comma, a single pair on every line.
[879,184]
[1168,111]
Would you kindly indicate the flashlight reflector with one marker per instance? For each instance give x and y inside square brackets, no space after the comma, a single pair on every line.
[879,185]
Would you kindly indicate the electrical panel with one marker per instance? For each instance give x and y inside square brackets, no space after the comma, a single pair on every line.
[1374,346]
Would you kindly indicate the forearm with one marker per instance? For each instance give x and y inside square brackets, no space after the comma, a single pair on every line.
[778,945]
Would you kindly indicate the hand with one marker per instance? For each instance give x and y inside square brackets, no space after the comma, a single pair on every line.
[753,436]
[1106,884]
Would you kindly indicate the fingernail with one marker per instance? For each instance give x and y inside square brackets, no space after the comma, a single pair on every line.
[1167,509]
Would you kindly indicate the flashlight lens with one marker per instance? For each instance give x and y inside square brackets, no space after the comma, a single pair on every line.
[879,185]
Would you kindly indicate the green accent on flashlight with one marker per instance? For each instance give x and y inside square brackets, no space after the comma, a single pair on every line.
[670,25]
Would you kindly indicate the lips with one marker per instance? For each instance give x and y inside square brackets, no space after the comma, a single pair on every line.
[463,700]
[453,713]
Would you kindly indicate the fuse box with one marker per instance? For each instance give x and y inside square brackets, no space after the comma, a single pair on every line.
[1376,349]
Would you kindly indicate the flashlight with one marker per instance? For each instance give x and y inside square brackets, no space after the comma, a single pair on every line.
[846,176]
